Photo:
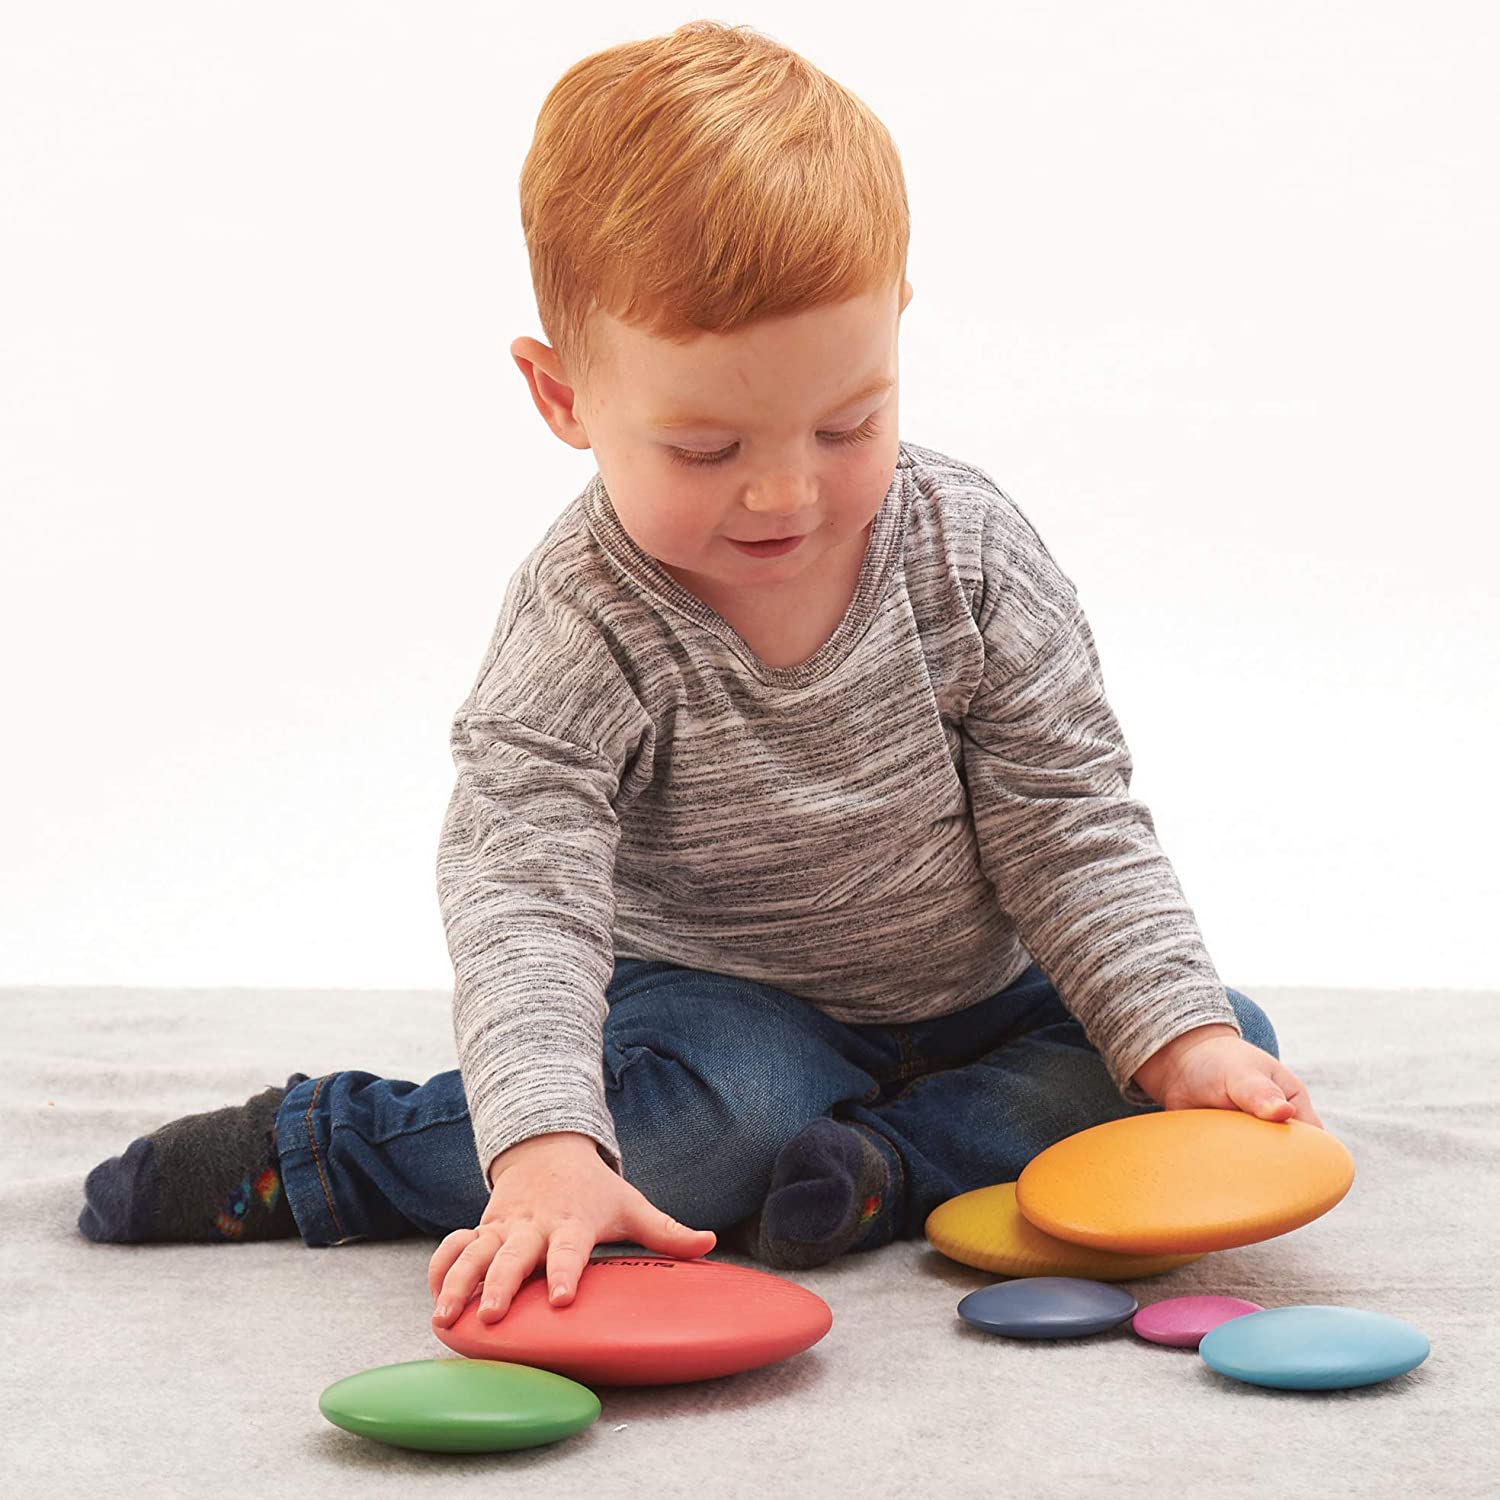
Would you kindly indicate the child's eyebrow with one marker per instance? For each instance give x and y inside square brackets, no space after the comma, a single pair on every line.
[684,419]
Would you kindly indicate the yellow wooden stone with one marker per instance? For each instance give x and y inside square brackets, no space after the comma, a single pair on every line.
[984,1228]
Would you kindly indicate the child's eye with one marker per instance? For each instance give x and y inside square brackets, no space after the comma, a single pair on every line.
[866,429]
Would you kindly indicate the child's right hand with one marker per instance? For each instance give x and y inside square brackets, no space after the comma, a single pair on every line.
[553,1199]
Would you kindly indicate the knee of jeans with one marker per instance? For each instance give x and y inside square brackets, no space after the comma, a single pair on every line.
[1255,1024]
[683,1143]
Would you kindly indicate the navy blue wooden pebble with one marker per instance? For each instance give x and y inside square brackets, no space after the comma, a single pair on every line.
[1047,1307]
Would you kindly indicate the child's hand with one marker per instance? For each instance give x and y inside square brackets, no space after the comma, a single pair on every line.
[1212,1068]
[553,1199]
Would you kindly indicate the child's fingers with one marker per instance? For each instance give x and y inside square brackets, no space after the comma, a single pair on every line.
[443,1257]
[567,1255]
[1305,1111]
[1296,1092]
[467,1271]
[513,1262]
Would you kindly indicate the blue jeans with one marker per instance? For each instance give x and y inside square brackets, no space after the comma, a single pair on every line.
[707,1076]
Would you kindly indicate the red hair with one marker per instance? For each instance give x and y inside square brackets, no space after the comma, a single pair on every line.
[698,181]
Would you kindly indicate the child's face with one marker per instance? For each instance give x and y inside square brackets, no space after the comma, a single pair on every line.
[768,405]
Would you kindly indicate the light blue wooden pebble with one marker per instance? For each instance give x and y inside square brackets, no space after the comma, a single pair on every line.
[1047,1307]
[1314,1348]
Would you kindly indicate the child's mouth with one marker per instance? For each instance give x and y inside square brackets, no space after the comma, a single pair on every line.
[767,549]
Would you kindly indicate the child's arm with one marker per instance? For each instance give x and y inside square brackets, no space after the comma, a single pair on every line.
[525,875]
[525,886]
[1074,859]
[525,871]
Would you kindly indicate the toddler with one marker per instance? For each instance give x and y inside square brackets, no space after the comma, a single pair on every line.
[791,878]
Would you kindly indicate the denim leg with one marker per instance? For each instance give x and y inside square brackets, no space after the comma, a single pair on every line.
[706,1076]
[960,1128]
[709,1075]
[367,1158]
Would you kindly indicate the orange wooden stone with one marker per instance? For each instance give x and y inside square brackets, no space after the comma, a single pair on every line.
[1183,1180]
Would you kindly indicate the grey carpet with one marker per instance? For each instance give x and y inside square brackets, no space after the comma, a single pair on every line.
[168,1370]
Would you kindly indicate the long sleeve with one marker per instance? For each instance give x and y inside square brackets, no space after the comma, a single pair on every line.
[1074,859]
[525,874]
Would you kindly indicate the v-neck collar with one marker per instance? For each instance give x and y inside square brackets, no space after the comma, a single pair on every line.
[646,572]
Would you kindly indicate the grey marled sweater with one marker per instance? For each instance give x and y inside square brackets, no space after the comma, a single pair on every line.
[891,830]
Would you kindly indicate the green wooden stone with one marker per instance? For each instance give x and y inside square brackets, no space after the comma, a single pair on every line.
[460,1405]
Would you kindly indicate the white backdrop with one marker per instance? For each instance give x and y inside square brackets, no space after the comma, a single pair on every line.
[1210,291]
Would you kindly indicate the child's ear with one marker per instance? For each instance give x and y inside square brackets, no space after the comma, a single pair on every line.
[553,397]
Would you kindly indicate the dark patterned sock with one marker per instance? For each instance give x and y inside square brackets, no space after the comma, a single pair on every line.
[212,1176]
[827,1186]
[742,1238]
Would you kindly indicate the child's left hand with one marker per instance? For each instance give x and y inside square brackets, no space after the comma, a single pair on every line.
[1210,1067]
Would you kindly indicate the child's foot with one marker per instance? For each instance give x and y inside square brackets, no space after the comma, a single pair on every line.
[827,1188]
[211,1176]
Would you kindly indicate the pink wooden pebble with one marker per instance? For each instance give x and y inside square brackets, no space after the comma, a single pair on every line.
[1182,1321]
